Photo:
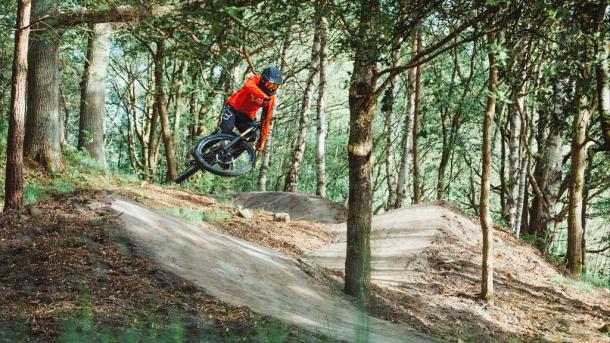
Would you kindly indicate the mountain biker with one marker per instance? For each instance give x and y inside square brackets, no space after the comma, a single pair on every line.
[258,92]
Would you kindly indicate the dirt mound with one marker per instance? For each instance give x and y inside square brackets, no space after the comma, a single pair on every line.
[427,259]
[246,274]
[300,206]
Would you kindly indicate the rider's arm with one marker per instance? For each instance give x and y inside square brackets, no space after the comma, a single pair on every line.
[265,124]
[252,87]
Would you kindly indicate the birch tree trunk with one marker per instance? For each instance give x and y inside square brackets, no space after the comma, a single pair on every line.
[513,170]
[416,173]
[321,123]
[553,184]
[93,93]
[13,185]
[407,141]
[485,214]
[603,94]
[292,178]
[42,125]
[524,165]
[388,110]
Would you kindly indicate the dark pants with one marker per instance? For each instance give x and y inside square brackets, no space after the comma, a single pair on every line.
[232,119]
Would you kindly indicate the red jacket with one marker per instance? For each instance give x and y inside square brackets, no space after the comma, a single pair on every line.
[249,99]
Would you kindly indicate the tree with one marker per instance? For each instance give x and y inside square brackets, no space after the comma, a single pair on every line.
[590,17]
[362,101]
[321,122]
[161,110]
[299,147]
[416,105]
[42,127]
[485,215]
[93,93]
[13,185]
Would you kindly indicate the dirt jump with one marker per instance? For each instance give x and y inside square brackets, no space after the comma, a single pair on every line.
[246,274]
[426,258]
[299,206]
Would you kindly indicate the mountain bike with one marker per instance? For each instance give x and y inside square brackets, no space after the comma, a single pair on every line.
[223,154]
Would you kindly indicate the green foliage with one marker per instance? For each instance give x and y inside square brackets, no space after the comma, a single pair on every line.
[83,328]
[273,331]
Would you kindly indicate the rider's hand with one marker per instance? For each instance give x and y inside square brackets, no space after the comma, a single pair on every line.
[259,147]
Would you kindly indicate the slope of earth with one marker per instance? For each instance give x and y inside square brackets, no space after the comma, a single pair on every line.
[67,274]
[300,206]
[247,274]
[426,261]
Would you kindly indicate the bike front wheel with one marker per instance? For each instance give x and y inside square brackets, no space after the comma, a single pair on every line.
[217,155]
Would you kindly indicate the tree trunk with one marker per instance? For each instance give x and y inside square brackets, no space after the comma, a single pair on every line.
[153,138]
[485,215]
[292,178]
[42,127]
[591,15]
[93,94]
[362,101]
[540,174]
[162,112]
[407,141]
[416,173]
[13,185]
[388,109]
[578,159]
[551,191]
[321,123]
[503,137]
[522,200]
[262,176]
[603,94]
[513,170]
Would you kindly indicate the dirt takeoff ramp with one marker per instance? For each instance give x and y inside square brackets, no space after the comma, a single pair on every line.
[246,274]
[300,206]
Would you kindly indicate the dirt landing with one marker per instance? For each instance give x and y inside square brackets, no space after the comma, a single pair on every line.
[300,206]
[246,274]
[428,260]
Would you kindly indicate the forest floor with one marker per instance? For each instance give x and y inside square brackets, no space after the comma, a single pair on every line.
[68,272]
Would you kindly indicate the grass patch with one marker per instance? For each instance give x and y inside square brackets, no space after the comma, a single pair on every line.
[190,214]
[596,280]
[582,285]
[33,192]
[195,215]
[214,215]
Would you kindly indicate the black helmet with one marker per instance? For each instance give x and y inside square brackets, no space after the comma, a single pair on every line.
[271,78]
[272,74]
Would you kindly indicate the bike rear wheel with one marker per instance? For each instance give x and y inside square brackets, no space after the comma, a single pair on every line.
[216,155]
[187,173]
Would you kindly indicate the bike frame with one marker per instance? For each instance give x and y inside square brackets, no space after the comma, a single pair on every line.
[241,136]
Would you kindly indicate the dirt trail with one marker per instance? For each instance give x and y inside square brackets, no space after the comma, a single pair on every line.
[245,274]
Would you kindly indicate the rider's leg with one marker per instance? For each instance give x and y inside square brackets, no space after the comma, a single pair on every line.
[227,120]
[242,123]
